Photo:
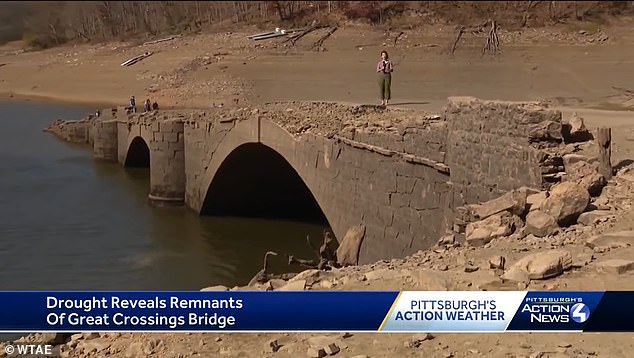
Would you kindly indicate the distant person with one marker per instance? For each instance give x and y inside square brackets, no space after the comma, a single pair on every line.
[133,104]
[148,105]
[385,69]
[97,113]
[155,106]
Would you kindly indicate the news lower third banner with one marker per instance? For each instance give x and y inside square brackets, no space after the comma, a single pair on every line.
[317,311]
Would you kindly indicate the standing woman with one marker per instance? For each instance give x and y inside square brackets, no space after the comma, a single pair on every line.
[385,69]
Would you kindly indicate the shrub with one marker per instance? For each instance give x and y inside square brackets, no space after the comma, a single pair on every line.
[30,40]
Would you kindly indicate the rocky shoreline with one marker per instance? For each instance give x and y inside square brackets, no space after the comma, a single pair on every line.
[563,259]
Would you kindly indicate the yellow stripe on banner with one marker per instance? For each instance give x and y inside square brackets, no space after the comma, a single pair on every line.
[390,311]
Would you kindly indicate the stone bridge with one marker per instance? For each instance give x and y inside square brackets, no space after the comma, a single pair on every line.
[400,173]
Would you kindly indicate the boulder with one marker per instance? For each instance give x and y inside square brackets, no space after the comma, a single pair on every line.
[615,266]
[585,172]
[575,130]
[448,239]
[298,285]
[573,158]
[513,202]
[540,224]
[385,274]
[593,217]
[316,352]
[275,284]
[611,240]
[53,338]
[482,232]
[549,131]
[538,266]
[348,251]
[534,201]
[566,202]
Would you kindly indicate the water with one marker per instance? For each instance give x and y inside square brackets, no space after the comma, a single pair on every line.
[68,222]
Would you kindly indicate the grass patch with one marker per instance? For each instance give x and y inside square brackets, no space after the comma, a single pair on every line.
[32,41]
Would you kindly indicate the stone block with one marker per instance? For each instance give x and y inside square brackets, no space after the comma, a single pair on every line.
[170,137]
[593,217]
[482,232]
[405,184]
[615,266]
[566,202]
[540,224]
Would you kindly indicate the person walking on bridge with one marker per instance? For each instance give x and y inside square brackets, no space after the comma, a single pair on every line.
[133,104]
[384,68]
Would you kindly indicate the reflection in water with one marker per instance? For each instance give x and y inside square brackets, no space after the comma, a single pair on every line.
[68,222]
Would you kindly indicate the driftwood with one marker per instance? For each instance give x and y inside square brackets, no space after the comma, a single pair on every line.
[293,39]
[492,44]
[292,260]
[263,275]
[455,43]
[398,37]
[161,40]
[318,44]
[326,255]
[529,6]
[136,59]
[604,140]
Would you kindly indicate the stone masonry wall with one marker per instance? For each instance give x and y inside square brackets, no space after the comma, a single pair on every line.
[425,137]
[105,141]
[202,135]
[167,161]
[494,146]
[403,203]
[72,131]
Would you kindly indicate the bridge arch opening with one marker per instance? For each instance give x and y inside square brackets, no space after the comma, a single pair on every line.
[138,154]
[256,181]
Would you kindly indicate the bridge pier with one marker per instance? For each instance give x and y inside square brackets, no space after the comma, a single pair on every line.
[167,163]
[105,143]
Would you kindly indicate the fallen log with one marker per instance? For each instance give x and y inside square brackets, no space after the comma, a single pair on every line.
[319,43]
[292,260]
[492,44]
[304,33]
[161,40]
[604,142]
[262,275]
[455,43]
[398,37]
[266,37]
[261,34]
[136,59]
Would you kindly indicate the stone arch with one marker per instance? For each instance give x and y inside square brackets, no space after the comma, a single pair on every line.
[267,144]
[256,181]
[138,153]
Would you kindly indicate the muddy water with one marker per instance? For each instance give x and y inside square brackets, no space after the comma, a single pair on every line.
[68,222]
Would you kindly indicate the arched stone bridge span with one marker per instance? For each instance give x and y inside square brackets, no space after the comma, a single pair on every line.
[386,169]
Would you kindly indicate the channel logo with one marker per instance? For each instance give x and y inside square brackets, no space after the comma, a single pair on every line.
[580,313]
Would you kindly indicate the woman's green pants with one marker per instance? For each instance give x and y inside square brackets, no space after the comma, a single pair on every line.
[385,81]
